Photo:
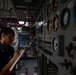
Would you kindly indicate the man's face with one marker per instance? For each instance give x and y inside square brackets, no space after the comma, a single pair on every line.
[8,39]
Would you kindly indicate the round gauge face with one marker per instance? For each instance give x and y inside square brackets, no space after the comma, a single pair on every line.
[74,14]
[54,5]
[49,25]
[55,44]
[65,18]
[63,1]
[55,22]
[48,9]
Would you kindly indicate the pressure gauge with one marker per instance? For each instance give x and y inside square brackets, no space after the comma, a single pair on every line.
[55,44]
[65,18]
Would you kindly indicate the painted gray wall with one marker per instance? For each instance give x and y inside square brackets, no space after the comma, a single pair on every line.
[30,63]
[68,35]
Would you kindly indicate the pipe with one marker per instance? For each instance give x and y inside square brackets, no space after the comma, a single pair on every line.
[13,7]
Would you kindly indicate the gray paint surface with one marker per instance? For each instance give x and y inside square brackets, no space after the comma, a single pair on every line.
[30,63]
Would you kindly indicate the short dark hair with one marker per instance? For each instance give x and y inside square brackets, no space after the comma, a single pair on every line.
[6,30]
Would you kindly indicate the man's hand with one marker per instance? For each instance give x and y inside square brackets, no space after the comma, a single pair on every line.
[16,55]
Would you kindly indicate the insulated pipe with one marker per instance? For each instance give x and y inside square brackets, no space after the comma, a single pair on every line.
[5,5]
[1,4]
[14,9]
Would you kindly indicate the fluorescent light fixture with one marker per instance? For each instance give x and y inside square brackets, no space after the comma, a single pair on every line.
[27,24]
[40,23]
[13,28]
[18,28]
[21,22]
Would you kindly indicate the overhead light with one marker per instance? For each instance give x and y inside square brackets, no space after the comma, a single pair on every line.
[18,28]
[27,24]
[21,22]
[40,23]
[12,28]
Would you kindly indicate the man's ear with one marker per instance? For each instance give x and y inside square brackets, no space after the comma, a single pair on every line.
[3,35]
